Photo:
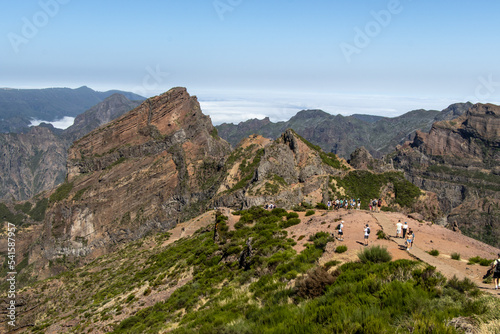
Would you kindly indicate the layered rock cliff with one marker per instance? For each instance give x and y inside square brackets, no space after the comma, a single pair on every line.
[36,161]
[458,159]
[149,169]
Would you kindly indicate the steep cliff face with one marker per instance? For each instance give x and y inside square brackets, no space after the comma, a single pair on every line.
[145,171]
[31,162]
[36,161]
[111,108]
[459,161]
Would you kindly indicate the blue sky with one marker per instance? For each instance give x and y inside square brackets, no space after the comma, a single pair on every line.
[255,58]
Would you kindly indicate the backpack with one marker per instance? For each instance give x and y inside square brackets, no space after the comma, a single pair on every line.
[368,231]
[497,267]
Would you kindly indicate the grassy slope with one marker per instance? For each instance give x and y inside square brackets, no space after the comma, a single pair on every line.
[219,296]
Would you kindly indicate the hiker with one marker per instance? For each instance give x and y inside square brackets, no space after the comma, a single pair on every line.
[411,238]
[405,228]
[408,241]
[341,231]
[367,234]
[359,205]
[398,229]
[496,272]
[379,204]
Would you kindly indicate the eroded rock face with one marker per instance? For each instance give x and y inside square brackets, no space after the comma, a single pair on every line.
[145,171]
[36,161]
[362,159]
[31,162]
[458,160]
[288,172]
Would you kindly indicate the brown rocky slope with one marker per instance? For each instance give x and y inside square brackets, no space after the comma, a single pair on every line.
[145,171]
[458,160]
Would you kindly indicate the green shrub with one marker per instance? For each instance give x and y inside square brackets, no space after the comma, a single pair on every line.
[474,260]
[461,285]
[321,206]
[292,215]
[79,194]
[38,212]
[6,215]
[320,240]
[289,222]
[310,212]
[25,207]
[455,256]
[433,252]
[330,264]
[306,205]
[279,212]
[482,261]
[298,208]
[61,192]
[375,254]
[341,249]
[381,235]
[485,262]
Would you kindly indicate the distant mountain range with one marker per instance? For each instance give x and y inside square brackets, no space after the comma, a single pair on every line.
[19,106]
[342,135]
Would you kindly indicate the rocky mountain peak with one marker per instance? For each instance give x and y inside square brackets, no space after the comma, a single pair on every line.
[149,169]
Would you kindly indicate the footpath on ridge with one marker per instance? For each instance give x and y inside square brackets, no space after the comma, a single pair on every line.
[445,269]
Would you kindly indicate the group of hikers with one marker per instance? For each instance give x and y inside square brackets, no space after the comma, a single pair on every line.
[402,231]
[375,204]
[344,204]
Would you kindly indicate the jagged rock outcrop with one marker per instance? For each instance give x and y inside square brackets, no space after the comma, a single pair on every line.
[145,171]
[458,160]
[284,172]
[362,159]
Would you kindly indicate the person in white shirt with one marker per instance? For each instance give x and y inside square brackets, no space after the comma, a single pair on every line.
[367,234]
[398,229]
[405,228]
[341,231]
[496,272]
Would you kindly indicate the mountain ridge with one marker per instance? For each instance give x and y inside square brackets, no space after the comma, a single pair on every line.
[19,106]
[343,134]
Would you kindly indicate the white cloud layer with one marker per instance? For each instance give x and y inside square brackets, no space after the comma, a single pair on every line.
[63,123]
[234,109]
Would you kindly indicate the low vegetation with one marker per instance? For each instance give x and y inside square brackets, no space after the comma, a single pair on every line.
[366,186]
[61,193]
[341,249]
[211,287]
[479,260]
[433,252]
